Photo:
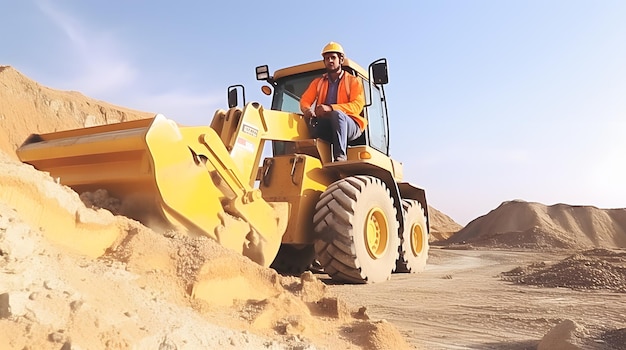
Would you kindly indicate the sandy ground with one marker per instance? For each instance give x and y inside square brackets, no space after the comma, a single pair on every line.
[461,302]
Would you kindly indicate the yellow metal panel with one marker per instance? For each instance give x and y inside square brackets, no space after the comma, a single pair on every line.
[317,65]
[376,157]
[398,170]
[244,132]
[182,181]
[299,180]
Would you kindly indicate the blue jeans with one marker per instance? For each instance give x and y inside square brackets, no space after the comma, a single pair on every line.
[337,128]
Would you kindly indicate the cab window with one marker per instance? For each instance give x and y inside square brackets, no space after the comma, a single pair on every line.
[377,127]
[288,91]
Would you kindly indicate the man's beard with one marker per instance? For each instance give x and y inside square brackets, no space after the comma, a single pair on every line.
[336,70]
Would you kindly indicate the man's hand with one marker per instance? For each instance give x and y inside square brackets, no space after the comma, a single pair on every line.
[309,113]
[321,110]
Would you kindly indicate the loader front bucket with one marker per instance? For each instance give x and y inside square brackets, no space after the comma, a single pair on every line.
[165,176]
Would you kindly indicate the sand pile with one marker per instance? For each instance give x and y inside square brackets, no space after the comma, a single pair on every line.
[27,108]
[570,335]
[442,226]
[83,277]
[595,269]
[520,224]
[77,276]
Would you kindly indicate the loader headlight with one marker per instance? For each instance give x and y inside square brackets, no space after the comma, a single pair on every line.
[262,72]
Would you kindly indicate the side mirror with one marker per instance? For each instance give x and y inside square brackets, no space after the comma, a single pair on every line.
[233,95]
[378,71]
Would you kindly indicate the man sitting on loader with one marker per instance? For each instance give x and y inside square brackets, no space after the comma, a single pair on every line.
[339,100]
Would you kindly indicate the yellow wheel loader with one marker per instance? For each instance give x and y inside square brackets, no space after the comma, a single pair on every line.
[355,218]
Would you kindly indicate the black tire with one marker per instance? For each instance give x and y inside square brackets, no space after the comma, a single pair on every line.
[414,240]
[293,260]
[357,229]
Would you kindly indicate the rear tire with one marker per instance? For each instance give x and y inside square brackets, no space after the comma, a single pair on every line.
[357,230]
[414,240]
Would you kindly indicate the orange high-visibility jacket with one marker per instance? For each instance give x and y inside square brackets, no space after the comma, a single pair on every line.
[350,98]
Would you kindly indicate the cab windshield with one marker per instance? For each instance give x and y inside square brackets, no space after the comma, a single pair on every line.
[288,90]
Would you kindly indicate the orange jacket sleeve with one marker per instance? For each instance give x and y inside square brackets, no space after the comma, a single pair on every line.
[310,95]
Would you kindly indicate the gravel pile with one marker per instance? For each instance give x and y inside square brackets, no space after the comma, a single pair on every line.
[595,269]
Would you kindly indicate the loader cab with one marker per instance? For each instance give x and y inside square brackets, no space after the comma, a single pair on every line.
[290,83]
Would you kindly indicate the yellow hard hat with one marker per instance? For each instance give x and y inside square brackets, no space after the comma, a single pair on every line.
[332,47]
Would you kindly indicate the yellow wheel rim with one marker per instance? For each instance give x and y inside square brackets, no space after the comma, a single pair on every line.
[376,233]
[417,240]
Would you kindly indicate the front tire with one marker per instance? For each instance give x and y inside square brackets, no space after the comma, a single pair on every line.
[357,230]
[293,260]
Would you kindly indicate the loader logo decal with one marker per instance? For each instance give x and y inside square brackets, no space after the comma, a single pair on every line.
[250,130]
[247,145]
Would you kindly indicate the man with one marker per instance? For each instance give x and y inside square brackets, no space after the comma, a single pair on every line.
[338,100]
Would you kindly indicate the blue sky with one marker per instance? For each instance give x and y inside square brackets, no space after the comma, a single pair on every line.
[489,100]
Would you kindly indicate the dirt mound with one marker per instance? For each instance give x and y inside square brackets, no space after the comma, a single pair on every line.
[520,224]
[569,334]
[78,276]
[442,226]
[118,284]
[27,107]
[595,269]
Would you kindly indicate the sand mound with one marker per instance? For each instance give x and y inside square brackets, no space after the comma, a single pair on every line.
[27,107]
[134,287]
[57,210]
[565,336]
[77,276]
[55,299]
[442,226]
[522,224]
